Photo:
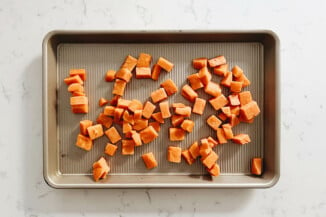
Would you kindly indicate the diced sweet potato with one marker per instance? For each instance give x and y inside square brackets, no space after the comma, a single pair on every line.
[126,127]
[195,81]
[199,106]
[158,117]
[222,116]
[75,87]
[138,114]
[165,64]
[100,169]
[178,105]
[78,100]
[73,79]
[245,81]
[128,135]
[169,87]
[234,120]
[104,120]
[176,134]
[218,102]
[237,71]
[127,147]
[188,93]
[199,63]
[143,72]
[235,110]
[135,104]
[250,110]
[221,70]
[187,156]
[109,110]
[205,148]
[215,170]
[245,97]
[213,122]
[226,110]
[119,87]
[176,120]
[103,102]
[123,103]
[236,86]
[213,89]
[155,125]
[194,150]
[78,93]
[113,135]
[148,109]
[124,74]
[95,131]
[226,81]
[159,95]
[165,109]
[188,125]
[129,63]
[221,136]
[144,60]
[234,99]
[148,134]
[110,75]
[140,124]
[84,142]
[186,111]
[212,141]
[174,154]
[227,131]
[110,149]
[210,160]
[114,100]
[79,109]
[204,75]
[156,71]
[244,120]
[80,72]
[256,166]
[118,112]
[83,125]
[241,139]
[149,160]
[127,117]
[216,61]
[136,138]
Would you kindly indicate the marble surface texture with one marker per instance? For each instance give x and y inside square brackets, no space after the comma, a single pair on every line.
[301,190]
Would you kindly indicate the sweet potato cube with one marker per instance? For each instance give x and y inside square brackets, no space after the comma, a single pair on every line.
[222,116]
[250,110]
[218,102]
[138,114]
[245,81]
[143,72]
[244,120]
[103,102]
[169,87]
[212,141]
[155,125]
[156,71]
[174,154]
[110,149]
[236,86]
[113,135]
[165,109]
[199,106]
[227,131]
[176,120]
[213,89]
[95,131]
[124,74]
[256,166]
[159,95]
[100,169]
[213,122]
[149,160]
[148,109]
[83,125]
[118,112]
[78,100]
[216,61]
[129,63]
[241,139]
[127,117]
[194,150]
[144,60]
[80,72]
[221,136]
[75,87]
[186,111]
[73,79]
[148,134]
[235,110]
[226,81]
[84,142]
[188,125]
[178,105]
[114,100]
[226,110]
[104,120]
[199,63]
[188,93]
[210,160]
[234,100]
[237,71]
[79,109]
[136,138]
[204,75]
[165,64]
[245,97]
[195,81]
[123,103]
[158,117]
[187,156]
[127,147]
[140,124]
[176,134]
[119,87]
[110,75]
[215,170]
[234,120]
[126,127]
[135,104]
[109,110]
[221,70]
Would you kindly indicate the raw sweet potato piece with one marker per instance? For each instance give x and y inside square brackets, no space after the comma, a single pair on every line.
[143,72]
[135,104]
[235,86]
[103,102]
[245,81]
[110,149]
[226,110]
[144,60]
[118,112]
[158,117]
[204,150]
[235,110]
[256,166]
[128,134]
[210,160]
[95,131]
[213,89]
[195,81]
[227,131]
[159,95]
[169,87]
[188,93]
[186,111]
[213,122]
[124,74]
[218,102]
[187,156]
[199,106]
[215,170]
[222,116]
[204,75]
[140,124]
[109,110]
[221,136]
[129,63]
[234,120]
[165,64]
[241,139]
[149,160]
[78,100]
[136,138]
[212,141]
[73,79]
[113,135]
[114,100]
[178,105]
[79,109]
[110,75]
[194,150]
[226,81]
[237,71]
[80,72]
[83,125]
[75,87]
[148,109]
[245,97]
[126,127]
[199,63]
[244,120]
[155,125]
[84,142]
[100,169]
[156,71]
[176,134]
[234,100]
[216,61]
[78,93]
[165,109]
[127,117]
[127,147]
[176,120]
[148,134]
[221,70]
[104,120]
[188,125]
[174,154]
[123,103]
[138,114]
[119,87]
[250,110]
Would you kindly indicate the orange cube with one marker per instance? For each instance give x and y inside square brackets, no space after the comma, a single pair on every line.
[215,170]
[127,147]
[110,75]
[256,166]
[221,136]
[126,127]
[169,87]
[234,120]
[148,110]
[75,87]
[234,100]
[140,124]
[245,97]
[245,81]
[186,111]
[119,87]
[84,142]
[83,125]
[226,81]
[178,105]
[129,63]
[113,135]
[174,154]
[109,110]
[156,71]
[148,134]
[250,110]
[199,106]
[128,118]
[221,70]
[104,120]
[235,110]
[138,114]
[237,71]
[165,64]
[110,149]
[195,81]
[95,131]
[136,138]
[212,141]
[213,89]
[159,95]
[100,169]
[199,63]
[78,100]
[118,112]
[216,61]
[235,86]
[188,93]
[210,160]
[79,109]
[73,79]
[149,160]
[241,139]
[213,122]
[155,125]
[123,103]
[176,120]
[158,117]
[222,116]
[204,75]
[114,100]
[165,109]
[187,156]
[124,74]
[226,110]
[80,72]
[194,150]
[143,72]
[227,131]
[176,134]
[134,105]
[103,102]
[218,102]
[188,125]
[144,60]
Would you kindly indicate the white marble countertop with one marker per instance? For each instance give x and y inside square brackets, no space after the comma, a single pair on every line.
[301,190]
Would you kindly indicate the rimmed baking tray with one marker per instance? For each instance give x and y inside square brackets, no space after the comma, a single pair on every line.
[66,166]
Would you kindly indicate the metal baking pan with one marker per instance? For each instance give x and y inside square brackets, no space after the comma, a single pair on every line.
[66,166]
